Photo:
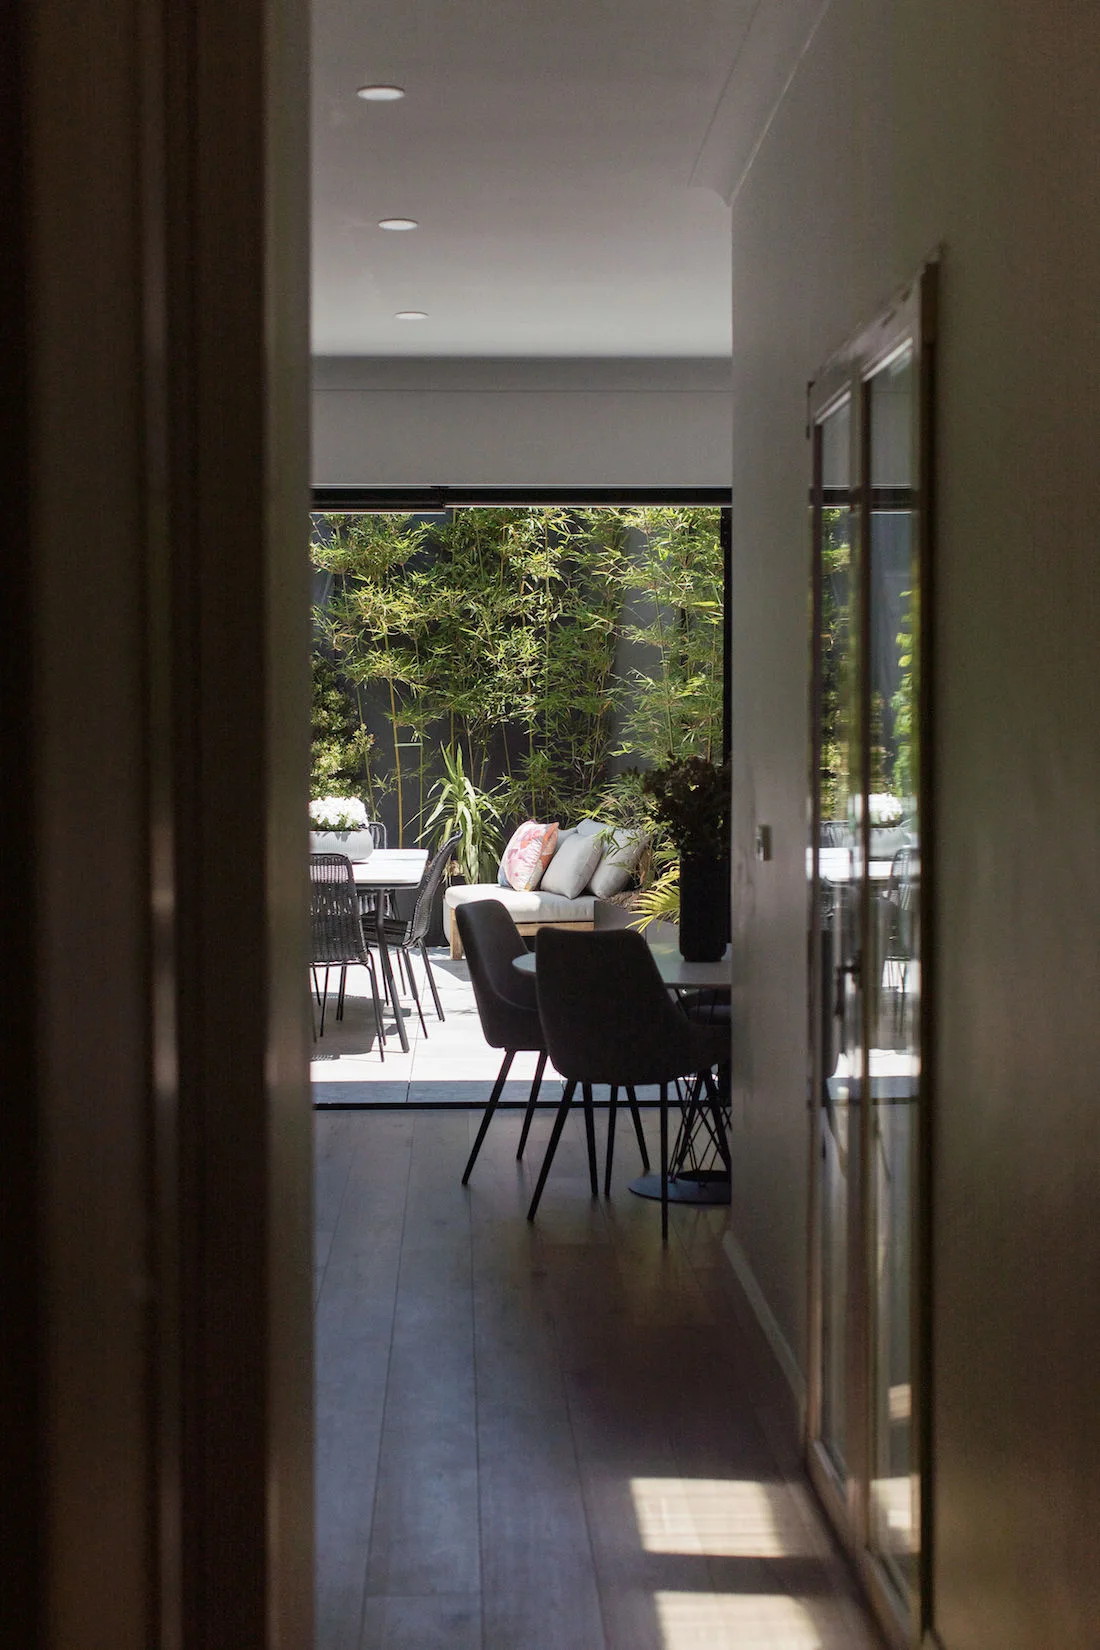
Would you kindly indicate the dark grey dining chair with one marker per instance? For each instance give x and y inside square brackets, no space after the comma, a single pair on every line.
[608,1018]
[506,1003]
[336,931]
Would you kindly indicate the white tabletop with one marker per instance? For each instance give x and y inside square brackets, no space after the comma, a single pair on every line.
[836,866]
[391,868]
[674,971]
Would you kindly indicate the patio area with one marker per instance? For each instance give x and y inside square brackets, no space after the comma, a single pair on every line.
[451,1066]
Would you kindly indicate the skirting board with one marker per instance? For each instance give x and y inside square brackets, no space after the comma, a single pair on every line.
[765,1317]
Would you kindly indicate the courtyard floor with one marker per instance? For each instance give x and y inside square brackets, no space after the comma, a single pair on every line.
[451,1066]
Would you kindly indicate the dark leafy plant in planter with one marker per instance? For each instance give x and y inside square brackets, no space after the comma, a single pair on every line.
[690,798]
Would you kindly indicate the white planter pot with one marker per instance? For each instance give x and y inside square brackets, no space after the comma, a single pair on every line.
[887,839]
[356,845]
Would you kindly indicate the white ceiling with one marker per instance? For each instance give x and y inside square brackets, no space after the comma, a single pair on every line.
[545,147]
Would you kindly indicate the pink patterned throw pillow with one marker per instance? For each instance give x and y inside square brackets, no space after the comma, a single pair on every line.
[528,854]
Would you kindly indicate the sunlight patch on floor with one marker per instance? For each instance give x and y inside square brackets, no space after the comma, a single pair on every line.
[900,1401]
[735,1621]
[716,1517]
[894,1503]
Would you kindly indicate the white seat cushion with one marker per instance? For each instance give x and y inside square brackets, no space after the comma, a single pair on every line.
[534,906]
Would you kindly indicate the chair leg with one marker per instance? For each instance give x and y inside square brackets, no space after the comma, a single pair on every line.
[341,993]
[637,1116]
[491,1106]
[532,1097]
[324,1003]
[555,1136]
[716,1112]
[590,1135]
[415,992]
[316,986]
[683,1150]
[431,980]
[612,1107]
[377,1003]
[664,1162]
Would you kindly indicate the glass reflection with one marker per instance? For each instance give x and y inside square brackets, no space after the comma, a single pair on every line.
[839,852]
[893,979]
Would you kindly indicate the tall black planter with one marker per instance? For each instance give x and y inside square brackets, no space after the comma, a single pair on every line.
[703,921]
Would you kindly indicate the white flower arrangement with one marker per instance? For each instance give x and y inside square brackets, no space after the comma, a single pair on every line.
[884,809]
[337,813]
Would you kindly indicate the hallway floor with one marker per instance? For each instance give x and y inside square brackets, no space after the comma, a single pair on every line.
[544,1438]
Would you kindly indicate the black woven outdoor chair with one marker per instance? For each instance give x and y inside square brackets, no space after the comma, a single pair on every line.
[403,935]
[337,931]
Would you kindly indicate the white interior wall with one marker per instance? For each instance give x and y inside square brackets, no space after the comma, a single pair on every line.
[550,423]
[907,126]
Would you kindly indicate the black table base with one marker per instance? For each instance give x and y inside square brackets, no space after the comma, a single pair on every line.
[704,1188]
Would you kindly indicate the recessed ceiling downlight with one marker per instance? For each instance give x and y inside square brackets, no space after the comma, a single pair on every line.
[398,223]
[380,94]
[411,315]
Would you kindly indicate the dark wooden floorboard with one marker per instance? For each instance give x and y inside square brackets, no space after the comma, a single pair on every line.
[547,1436]
[354,1328]
[425,1535]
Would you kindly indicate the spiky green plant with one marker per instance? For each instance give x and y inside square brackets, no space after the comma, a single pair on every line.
[457,804]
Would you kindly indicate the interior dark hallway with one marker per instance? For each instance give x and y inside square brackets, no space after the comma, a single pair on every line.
[547,1438]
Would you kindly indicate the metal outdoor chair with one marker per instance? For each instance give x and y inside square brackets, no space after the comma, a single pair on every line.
[404,935]
[901,942]
[337,932]
[608,1018]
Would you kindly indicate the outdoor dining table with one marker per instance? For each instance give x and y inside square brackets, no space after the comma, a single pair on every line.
[387,871]
[698,1186]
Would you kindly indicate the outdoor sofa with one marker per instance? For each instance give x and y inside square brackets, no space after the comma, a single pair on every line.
[588,861]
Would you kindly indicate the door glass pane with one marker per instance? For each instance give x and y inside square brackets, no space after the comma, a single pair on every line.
[839,860]
[893,978]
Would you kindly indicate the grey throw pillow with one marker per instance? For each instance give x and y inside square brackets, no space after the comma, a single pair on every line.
[618,863]
[572,865]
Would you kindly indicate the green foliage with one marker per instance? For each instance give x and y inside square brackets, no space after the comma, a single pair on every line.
[676,709]
[341,744]
[659,899]
[691,798]
[903,705]
[836,562]
[490,637]
[458,805]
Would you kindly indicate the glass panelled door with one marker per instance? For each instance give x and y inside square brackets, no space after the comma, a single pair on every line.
[893,984]
[868,994]
[839,894]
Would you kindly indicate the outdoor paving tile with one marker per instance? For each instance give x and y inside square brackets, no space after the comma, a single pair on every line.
[452,1065]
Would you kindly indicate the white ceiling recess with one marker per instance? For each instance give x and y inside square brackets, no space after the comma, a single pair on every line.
[546,149]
